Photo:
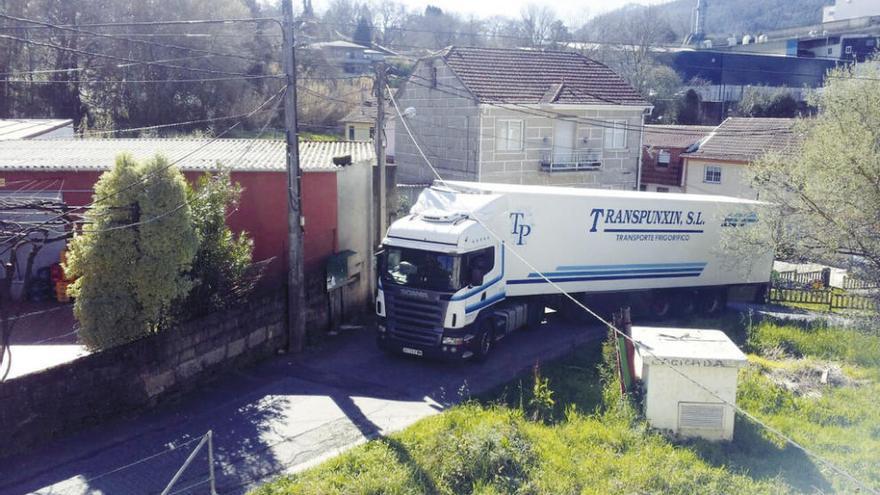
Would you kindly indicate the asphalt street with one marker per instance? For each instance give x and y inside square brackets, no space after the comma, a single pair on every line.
[278,417]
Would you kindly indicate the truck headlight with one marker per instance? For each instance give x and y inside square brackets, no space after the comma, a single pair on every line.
[457,340]
[380,327]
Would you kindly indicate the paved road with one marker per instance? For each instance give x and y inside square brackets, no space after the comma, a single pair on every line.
[278,417]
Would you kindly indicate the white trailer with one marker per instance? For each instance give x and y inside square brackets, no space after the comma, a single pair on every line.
[452,279]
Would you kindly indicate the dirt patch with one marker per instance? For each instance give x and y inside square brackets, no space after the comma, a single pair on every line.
[809,378]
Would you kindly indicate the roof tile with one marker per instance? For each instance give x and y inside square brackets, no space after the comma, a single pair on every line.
[501,75]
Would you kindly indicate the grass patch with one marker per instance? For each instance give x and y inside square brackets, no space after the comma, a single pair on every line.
[588,439]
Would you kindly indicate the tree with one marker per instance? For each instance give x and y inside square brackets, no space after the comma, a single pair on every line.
[131,258]
[828,186]
[763,101]
[363,32]
[219,269]
[690,113]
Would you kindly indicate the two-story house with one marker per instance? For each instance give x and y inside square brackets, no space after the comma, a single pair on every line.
[360,125]
[520,116]
[662,163]
[719,163]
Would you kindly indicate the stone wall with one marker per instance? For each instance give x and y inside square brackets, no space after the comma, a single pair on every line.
[38,407]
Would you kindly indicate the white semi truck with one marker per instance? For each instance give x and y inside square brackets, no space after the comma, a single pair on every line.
[452,280]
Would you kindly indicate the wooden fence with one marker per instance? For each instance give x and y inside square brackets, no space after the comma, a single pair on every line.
[802,278]
[823,297]
[854,283]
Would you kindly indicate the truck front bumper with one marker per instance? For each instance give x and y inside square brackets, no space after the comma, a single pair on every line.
[454,347]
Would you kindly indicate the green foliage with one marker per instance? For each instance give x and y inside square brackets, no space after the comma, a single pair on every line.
[602,446]
[759,101]
[827,187]
[219,269]
[128,276]
[542,397]
[363,32]
[838,344]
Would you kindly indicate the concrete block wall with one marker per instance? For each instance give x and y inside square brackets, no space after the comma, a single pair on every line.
[132,377]
[445,125]
[619,168]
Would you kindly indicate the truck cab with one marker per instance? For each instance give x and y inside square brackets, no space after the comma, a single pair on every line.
[439,275]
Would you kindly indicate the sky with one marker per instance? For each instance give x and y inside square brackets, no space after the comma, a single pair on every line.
[573,12]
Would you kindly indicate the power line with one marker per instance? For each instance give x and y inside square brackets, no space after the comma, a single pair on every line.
[114,57]
[142,81]
[607,124]
[157,171]
[98,67]
[180,22]
[636,343]
[123,38]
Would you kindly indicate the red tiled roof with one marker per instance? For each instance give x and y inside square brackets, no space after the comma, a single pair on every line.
[501,75]
[674,136]
[748,138]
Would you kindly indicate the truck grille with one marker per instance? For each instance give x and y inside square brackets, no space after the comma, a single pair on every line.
[419,321]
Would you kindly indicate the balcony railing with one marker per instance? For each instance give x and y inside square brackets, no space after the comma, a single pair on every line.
[555,161]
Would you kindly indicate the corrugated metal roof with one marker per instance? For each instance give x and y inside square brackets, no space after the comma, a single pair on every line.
[502,75]
[29,128]
[748,138]
[257,155]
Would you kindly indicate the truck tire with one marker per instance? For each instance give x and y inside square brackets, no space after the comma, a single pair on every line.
[685,303]
[486,342]
[660,305]
[535,315]
[712,302]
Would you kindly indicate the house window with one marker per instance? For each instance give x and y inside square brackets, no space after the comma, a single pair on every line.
[615,135]
[643,187]
[433,77]
[663,159]
[509,136]
[351,133]
[372,132]
[662,189]
[712,174]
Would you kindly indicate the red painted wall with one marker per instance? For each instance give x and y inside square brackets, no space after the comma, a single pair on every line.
[665,176]
[262,211]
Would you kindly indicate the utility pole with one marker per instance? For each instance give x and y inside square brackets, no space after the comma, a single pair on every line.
[295,285]
[379,141]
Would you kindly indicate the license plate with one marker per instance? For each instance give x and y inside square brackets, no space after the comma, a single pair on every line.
[414,352]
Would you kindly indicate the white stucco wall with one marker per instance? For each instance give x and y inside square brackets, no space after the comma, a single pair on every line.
[354,190]
[734,180]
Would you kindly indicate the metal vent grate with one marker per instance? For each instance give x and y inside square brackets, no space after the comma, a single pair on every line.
[700,415]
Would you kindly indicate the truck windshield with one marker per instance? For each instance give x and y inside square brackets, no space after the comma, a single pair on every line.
[422,269]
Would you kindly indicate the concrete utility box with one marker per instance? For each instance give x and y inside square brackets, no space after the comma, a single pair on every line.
[674,403]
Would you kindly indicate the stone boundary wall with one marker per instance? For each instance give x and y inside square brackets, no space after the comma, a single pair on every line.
[41,406]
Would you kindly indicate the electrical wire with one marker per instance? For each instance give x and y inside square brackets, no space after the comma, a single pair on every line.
[642,347]
[607,124]
[117,58]
[141,81]
[159,170]
[129,40]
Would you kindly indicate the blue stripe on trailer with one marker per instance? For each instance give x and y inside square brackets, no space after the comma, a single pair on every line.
[616,272]
[608,277]
[483,304]
[631,265]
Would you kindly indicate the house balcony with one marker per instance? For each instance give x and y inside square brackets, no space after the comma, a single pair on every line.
[555,161]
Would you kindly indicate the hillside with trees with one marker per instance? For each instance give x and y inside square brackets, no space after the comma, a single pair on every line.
[723,17]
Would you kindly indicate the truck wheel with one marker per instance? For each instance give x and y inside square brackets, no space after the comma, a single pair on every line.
[685,304]
[535,313]
[486,343]
[661,305]
[712,302]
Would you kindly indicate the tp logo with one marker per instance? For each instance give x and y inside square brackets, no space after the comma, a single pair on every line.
[520,229]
